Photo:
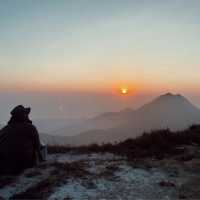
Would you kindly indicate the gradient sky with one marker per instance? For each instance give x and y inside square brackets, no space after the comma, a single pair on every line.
[98,45]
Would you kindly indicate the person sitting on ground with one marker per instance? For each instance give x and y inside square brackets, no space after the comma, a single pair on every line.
[20,146]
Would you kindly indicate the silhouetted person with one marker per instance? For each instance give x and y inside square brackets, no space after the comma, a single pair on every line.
[19,143]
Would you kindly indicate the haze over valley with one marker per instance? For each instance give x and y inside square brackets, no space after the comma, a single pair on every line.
[166,111]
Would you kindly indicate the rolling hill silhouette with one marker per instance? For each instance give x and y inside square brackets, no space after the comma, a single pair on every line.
[167,111]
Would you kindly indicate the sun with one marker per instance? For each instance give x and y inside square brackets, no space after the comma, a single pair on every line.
[124,91]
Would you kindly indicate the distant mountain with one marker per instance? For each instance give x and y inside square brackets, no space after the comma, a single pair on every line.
[167,111]
[104,121]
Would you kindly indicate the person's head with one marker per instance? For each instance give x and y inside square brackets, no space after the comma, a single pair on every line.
[20,114]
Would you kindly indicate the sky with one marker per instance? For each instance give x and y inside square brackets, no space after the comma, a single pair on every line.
[69,57]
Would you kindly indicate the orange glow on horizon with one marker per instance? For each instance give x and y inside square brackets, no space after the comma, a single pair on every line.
[115,88]
[124,91]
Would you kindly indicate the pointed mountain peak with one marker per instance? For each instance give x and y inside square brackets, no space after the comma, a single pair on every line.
[171,104]
[171,96]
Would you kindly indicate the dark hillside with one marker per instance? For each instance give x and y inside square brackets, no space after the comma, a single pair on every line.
[157,144]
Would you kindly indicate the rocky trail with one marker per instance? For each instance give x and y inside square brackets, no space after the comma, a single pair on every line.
[105,176]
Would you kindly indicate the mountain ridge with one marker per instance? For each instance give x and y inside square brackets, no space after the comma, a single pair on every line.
[171,111]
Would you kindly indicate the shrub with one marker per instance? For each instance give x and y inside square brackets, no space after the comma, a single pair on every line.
[157,144]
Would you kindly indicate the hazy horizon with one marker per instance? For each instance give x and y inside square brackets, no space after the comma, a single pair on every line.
[75,105]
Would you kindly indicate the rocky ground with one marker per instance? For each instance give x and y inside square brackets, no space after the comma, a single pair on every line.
[107,176]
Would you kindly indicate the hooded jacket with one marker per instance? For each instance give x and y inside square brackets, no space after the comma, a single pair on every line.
[19,145]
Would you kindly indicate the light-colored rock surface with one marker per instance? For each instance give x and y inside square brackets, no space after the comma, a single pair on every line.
[106,176]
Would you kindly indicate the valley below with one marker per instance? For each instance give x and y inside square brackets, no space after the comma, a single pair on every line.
[172,111]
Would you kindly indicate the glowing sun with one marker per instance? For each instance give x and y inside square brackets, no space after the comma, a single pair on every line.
[124,90]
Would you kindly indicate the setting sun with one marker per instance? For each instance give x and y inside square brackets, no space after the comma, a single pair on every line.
[124,91]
